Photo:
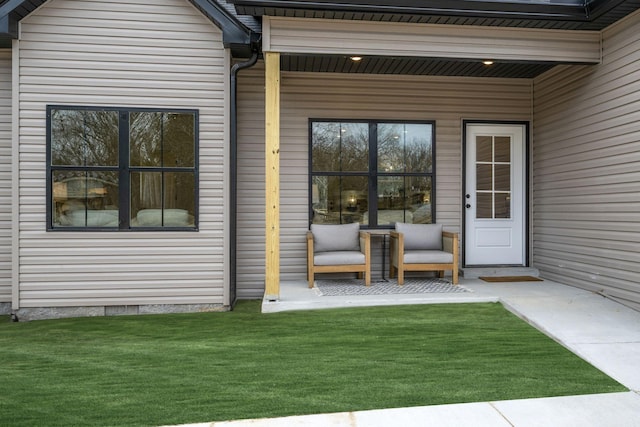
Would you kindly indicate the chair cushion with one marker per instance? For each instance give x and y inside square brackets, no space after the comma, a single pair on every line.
[330,237]
[338,258]
[421,236]
[428,257]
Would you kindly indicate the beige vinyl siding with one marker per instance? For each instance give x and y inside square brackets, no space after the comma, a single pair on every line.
[318,36]
[123,54]
[334,96]
[586,163]
[5,176]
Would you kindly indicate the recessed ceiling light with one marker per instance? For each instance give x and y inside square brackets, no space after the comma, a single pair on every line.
[487,62]
[356,58]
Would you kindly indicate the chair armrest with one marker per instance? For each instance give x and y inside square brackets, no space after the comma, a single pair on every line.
[396,248]
[365,243]
[310,244]
[450,242]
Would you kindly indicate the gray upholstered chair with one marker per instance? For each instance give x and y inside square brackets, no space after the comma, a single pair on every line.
[422,247]
[338,249]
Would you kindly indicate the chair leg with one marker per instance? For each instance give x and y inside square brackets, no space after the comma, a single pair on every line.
[400,276]
[367,278]
[392,271]
[455,276]
[310,277]
[441,274]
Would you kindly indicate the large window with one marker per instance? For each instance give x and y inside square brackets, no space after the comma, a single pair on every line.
[376,173]
[121,169]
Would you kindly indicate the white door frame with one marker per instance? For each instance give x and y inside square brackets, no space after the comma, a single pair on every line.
[525,187]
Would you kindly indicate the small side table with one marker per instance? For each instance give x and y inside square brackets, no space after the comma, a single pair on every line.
[384,233]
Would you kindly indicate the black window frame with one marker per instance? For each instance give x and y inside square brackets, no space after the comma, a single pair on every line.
[123,168]
[373,172]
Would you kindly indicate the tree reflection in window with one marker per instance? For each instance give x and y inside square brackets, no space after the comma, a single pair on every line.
[399,185]
[91,187]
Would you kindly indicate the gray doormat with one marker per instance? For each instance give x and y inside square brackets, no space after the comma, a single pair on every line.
[346,287]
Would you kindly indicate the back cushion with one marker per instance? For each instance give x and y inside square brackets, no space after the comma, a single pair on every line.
[343,237]
[421,236]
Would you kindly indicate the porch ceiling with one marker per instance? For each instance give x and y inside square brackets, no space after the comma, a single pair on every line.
[559,14]
[412,66]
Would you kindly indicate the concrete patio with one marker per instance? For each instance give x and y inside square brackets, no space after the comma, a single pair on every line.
[603,332]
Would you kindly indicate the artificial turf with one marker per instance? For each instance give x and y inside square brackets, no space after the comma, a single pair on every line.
[187,368]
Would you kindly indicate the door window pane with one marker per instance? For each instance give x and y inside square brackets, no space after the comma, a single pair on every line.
[493,177]
[502,205]
[484,149]
[484,177]
[503,149]
[484,208]
[502,178]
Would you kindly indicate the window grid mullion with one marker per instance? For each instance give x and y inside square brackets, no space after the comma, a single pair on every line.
[124,197]
[372,174]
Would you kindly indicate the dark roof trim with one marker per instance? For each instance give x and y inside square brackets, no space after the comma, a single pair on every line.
[561,14]
[12,11]
[435,7]
[235,35]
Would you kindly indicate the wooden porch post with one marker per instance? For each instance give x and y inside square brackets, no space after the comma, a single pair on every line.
[272,179]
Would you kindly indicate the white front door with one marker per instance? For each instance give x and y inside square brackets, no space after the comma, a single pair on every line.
[495,203]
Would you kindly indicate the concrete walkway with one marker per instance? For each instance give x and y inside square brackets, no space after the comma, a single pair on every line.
[603,332]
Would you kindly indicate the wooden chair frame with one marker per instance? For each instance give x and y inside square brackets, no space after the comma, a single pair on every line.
[396,257]
[361,269]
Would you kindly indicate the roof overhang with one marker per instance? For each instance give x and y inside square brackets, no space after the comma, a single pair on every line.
[237,37]
[558,14]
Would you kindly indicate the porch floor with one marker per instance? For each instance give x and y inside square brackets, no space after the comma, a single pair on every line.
[298,296]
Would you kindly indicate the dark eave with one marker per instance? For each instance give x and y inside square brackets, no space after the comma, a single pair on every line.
[11,12]
[237,36]
[559,14]
[413,66]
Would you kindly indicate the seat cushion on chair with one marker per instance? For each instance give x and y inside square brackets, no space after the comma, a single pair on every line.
[336,237]
[338,258]
[428,257]
[421,236]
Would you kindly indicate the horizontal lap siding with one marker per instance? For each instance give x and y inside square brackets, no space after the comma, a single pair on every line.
[321,36]
[5,176]
[335,96]
[124,54]
[587,168]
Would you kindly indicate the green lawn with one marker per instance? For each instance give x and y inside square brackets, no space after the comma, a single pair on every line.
[187,368]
